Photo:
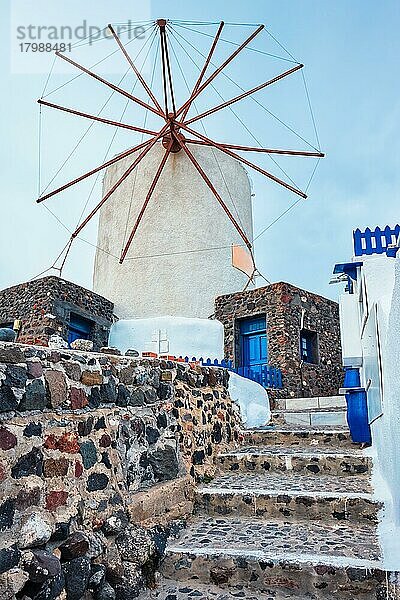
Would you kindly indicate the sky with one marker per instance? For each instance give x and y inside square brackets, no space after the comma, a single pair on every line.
[350,49]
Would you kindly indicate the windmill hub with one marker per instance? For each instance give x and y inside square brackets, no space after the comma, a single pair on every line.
[173,134]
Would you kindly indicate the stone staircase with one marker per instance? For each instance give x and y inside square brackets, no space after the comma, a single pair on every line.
[290,515]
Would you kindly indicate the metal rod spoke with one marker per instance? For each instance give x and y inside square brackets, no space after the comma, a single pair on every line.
[136,71]
[121,179]
[109,84]
[204,69]
[93,171]
[243,160]
[217,71]
[262,150]
[94,118]
[149,194]
[214,191]
[245,94]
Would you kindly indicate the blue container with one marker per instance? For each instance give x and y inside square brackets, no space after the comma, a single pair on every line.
[357,417]
[351,377]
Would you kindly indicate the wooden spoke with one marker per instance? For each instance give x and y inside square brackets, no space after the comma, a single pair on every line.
[149,194]
[262,150]
[244,161]
[109,84]
[245,94]
[94,118]
[93,171]
[204,69]
[121,179]
[214,191]
[217,71]
[137,72]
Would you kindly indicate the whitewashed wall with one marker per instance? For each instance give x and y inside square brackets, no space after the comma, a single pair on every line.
[380,301]
[182,215]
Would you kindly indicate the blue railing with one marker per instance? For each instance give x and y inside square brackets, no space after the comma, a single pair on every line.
[377,241]
[267,376]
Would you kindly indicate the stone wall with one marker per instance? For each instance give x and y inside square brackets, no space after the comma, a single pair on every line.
[44,306]
[286,307]
[99,456]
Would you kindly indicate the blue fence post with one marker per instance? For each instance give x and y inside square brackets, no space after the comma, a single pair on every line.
[357,242]
[378,240]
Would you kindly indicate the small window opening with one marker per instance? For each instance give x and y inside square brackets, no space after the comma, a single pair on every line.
[309,346]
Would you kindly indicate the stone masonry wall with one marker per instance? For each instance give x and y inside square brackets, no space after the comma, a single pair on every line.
[99,455]
[285,306]
[44,306]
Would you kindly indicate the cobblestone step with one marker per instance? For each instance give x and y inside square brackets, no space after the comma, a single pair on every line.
[292,497]
[298,435]
[310,461]
[311,417]
[312,560]
[168,589]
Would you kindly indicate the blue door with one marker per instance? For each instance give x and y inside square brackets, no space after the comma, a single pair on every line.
[254,353]
[78,328]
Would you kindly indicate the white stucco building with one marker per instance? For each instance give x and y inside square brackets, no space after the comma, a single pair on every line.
[370,328]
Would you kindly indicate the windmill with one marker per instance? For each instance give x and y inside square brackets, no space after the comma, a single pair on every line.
[175,136]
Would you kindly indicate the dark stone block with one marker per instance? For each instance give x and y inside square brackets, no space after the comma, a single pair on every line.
[76,574]
[97,577]
[105,441]
[60,533]
[34,397]
[11,354]
[152,435]
[94,398]
[217,433]
[41,566]
[198,457]
[27,497]
[150,395]
[29,464]
[50,590]
[97,481]
[16,376]
[105,459]
[89,454]
[123,395]
[85,427]
[9,558]
[7,439]
[164,463]
[75,546]
[7,334]
[165,391]
[162,421]
[105,592]
[8,400]
[116,523]
[7,511]
[33,429]
[100,424]
[108,392]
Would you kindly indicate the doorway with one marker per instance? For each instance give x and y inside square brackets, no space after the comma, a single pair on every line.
[253,346]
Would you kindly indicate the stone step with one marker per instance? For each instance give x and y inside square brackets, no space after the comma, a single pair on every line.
[309,403]
[309,461]
[314,559]
[167,589]
[290,497]
[298,435]
[311,417]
